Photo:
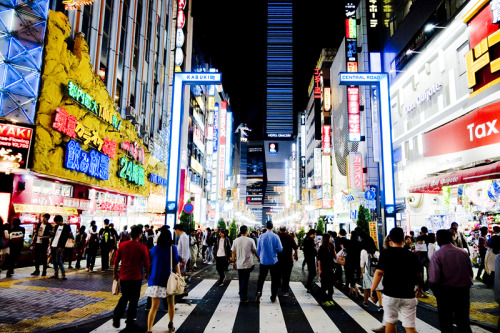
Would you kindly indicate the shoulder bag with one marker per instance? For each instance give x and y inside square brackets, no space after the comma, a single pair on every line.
[175,283]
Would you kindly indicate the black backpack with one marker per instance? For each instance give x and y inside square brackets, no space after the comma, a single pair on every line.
[211,239]
[372,264]
[107,236]
[93,241]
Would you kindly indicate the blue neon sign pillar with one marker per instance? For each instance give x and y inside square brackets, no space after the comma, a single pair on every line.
[381,80]
[180,80]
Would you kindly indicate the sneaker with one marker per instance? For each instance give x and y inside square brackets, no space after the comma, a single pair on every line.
[54,277]
[9,275]
[332,303]
[258,296]
[70,267]
[204,261]
[478,278]
[64,278]
[326,304]
[171,327]
[244,300]
[77,267]
[379,330]
[380,309]
[273,299]
[286,294]
[35,273]
[44,273]
[365,304]
[116,322]
[209,263]
[220,283]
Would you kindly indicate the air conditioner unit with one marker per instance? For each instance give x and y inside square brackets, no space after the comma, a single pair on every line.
[137,129]
[145,140]
[130,112]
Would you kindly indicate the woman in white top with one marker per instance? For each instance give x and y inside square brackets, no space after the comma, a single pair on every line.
[4,242]
[369,259]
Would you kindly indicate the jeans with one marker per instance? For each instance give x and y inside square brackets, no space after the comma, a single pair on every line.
[131,291]
[311,268]
[210,257]
[91,254]
[275,278]
[244,277]
[285,269]
[41,257]
[220,265]
[58,261]
[453,303]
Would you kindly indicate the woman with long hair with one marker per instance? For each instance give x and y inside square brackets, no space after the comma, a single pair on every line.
[352,263]
[161,267]
[326,256]
[369,257]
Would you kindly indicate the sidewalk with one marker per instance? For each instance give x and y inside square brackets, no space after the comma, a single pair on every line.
[36,304]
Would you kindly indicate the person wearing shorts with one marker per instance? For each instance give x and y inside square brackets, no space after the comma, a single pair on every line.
[401,273]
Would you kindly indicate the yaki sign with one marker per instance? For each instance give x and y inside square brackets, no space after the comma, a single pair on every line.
[15,143]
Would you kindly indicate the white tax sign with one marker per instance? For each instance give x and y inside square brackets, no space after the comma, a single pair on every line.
[180,80]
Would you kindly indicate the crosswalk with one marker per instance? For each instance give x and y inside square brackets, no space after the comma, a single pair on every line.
[222,310]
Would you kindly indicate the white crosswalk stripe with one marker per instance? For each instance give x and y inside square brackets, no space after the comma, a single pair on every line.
[317,317]
[271,317]
[270,314]
[224,316]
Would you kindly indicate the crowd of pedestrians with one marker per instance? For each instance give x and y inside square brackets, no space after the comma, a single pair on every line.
[408,267]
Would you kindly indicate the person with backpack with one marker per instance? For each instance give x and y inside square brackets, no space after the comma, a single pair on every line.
[108,243]
[124,235]
[92,247]
[80,241]
[369,262]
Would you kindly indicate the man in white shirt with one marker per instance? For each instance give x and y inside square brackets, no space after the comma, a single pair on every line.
[242,250]
[183,249]
[58,245]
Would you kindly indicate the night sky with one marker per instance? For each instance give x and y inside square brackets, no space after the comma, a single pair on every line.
[232,36]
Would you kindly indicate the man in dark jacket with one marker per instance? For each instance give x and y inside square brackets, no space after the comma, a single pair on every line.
[222,253]
[285,259]
[61,235]
[41,239]
[310,253]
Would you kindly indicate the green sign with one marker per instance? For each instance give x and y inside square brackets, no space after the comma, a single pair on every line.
[90,104]
[131,172]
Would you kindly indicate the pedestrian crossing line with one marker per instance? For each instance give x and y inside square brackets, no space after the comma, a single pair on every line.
[200,290]
[316,316]
[270,314]
[182,311]
[363,318]
[422,326]
[107,327]
[224,316]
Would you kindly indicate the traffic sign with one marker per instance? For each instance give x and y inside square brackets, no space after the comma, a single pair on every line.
[188,208]
[369,195]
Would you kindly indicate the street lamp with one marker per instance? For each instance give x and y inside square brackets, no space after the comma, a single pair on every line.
[429,27]
[410,52]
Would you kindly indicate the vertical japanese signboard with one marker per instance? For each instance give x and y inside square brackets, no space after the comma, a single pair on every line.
[326,140]
[355,174]
[326,179]
[353,114]
[317,166]
[222,143]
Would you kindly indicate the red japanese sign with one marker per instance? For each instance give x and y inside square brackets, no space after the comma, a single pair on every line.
[355,175]
[326,140]
[353,114]
[113,206]
[134,150]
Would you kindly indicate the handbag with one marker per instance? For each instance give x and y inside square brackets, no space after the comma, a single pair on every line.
[175,283]
[341,257]
[70,243]
[115,288]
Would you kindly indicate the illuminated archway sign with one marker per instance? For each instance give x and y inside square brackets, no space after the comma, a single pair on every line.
[381,81]
[180,80]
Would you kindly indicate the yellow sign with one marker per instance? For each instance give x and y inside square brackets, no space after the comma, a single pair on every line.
[373,232]
[479,57]
[37,209]
[211,103]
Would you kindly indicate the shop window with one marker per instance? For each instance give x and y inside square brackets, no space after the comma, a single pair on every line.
[51,188]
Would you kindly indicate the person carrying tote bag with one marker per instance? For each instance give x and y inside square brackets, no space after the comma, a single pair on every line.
[164,262]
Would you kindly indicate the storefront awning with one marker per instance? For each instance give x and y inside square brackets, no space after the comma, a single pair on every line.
[435,184]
